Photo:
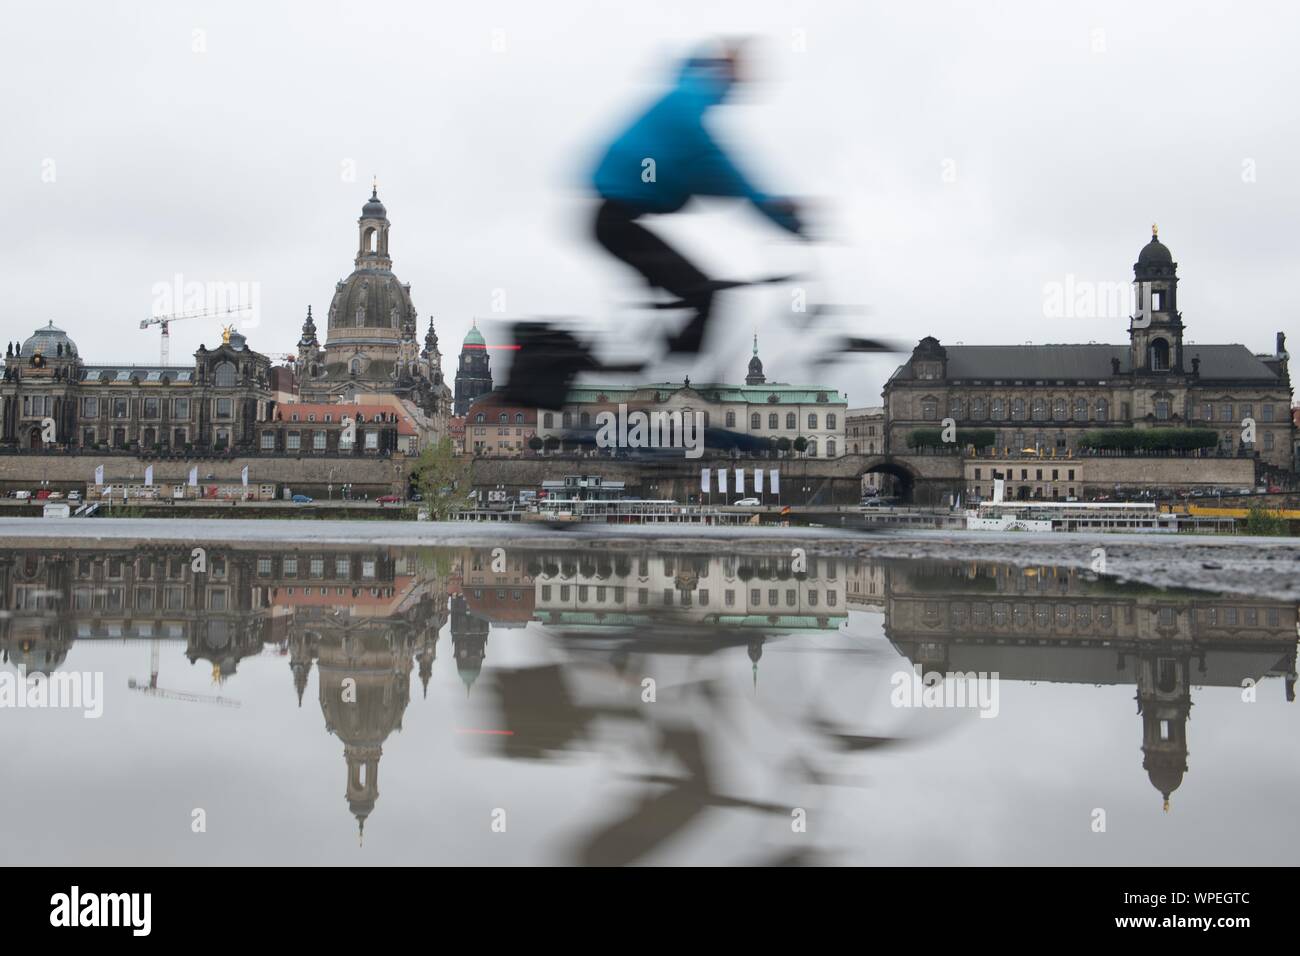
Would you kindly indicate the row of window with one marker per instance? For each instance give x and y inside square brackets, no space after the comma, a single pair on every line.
[504,419]
[172,599]
[317,441]
[328,417]
[151,407]
[996,409]
[316,567]
[1244,410]
[148,437]
[1079,410]
[731,567]
[1024,474]
[1084,615]
[755,420]
[698,597]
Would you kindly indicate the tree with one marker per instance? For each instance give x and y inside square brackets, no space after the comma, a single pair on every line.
[783,445]
[1262,521]
[535,443]
[933,438]
[1149,439]
[800,445]
[442,478]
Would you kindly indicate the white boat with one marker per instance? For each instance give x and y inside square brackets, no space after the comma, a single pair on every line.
[1044,516]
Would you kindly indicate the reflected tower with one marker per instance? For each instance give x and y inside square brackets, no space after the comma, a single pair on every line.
[1164,701]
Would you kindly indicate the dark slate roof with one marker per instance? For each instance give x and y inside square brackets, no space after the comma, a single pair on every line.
[1020,362]
[146,373]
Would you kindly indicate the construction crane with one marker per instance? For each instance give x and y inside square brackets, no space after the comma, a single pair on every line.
[153,690]
[166,320]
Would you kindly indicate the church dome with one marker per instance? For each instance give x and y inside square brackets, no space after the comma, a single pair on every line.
[1155,259]
[374,209]
[369,299]
[1155,253]
[474,337]
[47,341]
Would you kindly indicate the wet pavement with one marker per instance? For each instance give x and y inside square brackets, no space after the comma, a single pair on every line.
[297,697]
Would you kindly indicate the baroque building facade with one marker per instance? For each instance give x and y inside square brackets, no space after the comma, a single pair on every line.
[770,411]
[52,398]
[1041,398]
[372,348]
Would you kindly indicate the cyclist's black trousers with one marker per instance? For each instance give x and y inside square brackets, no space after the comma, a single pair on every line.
[662,266]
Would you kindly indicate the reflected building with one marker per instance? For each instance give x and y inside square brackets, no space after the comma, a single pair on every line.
[365,618]
[368,617]
[1063,625]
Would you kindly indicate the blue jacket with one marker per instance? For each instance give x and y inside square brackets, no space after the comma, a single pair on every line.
[687,160]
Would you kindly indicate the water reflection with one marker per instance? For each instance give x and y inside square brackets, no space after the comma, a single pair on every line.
[685,746]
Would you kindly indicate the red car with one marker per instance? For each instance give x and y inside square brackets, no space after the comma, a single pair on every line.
[390,500]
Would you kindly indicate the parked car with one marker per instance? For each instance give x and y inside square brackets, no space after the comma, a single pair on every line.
[416,496]
[871,502]
[301,500]
[74,495]
[22,495]
[748,503]
[389,499]
[42,494]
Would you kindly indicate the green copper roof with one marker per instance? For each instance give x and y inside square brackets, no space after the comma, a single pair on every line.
[474,336]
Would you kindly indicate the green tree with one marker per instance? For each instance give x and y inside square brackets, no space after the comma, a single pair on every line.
[1262,521]
[933,438]
[1149,439]
[800,445]
[443,479]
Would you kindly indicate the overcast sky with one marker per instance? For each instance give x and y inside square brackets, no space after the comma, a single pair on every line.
[962,157]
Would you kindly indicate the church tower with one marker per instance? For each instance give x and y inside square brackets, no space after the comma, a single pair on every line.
[432,356]
[372,253]
[1156,328]
[473,376]
[309,350]
[755,376]
[1165,703]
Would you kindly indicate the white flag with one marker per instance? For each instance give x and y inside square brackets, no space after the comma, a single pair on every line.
[194,476]
[704,480]
[99,474]
[774,480]
[758,481]
[243,476]
[148,476]
[107,492]
[740,481]
[722,481]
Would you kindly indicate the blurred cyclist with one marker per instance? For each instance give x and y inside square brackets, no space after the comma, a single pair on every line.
[656,165]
